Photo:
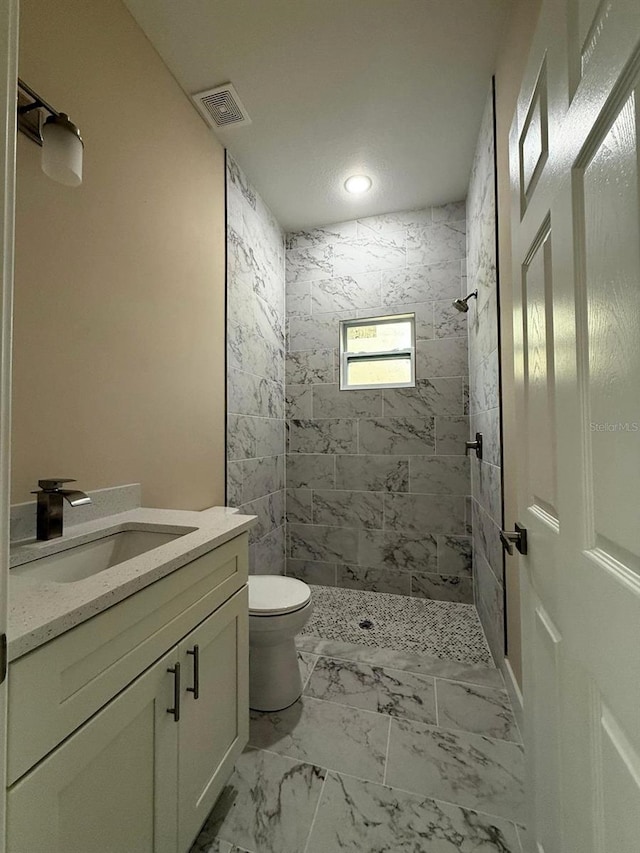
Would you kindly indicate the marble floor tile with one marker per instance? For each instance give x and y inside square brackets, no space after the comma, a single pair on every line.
[466,769]
[306,662]
[361,817]
[334,736]
[374,688]
[266,807]
[406,661]
[525,838]
[439,628]
[482,710]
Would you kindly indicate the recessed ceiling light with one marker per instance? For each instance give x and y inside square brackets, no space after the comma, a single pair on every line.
[357,184]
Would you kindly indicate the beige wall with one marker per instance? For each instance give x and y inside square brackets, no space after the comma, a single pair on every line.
[119,289]
[509,70]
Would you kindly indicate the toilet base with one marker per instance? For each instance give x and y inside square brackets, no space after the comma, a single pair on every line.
[274,676]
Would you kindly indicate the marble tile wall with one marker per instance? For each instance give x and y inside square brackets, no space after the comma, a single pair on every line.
[255,369]
[377,481]
[484,406]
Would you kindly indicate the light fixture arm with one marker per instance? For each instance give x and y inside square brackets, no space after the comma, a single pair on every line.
[38,101]
[29,125]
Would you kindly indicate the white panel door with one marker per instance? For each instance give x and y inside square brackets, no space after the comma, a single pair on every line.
[8,76]
[575,178]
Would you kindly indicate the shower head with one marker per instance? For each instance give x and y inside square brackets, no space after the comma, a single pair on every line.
[463,304]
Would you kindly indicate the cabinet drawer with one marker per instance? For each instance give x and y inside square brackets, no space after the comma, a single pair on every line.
[56,687]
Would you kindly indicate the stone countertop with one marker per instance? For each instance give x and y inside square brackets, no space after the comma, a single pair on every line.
[41,610]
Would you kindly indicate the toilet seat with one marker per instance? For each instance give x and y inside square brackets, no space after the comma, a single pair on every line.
[275,595]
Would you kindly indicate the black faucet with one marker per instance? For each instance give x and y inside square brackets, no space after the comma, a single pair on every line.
[49,519]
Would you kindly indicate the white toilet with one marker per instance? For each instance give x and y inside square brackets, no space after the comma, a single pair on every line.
[279,608]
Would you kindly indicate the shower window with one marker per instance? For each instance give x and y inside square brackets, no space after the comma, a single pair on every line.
[378,352]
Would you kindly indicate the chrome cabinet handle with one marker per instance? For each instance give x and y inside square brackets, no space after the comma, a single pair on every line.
[175,671]
[195,652]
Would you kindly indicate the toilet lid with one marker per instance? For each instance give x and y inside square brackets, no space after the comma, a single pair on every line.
[271,595]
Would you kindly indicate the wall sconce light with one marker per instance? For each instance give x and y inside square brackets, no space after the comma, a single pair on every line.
[59,138]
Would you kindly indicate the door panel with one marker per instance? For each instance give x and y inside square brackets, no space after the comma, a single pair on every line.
[534,140]
[111,786]
[609,217]
[576,248]
[547,734]
[620,774]
[537,299]
[213,727]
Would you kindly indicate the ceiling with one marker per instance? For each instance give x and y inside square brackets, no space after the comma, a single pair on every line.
[391,88]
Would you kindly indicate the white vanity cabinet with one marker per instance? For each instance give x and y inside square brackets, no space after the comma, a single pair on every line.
[139,772]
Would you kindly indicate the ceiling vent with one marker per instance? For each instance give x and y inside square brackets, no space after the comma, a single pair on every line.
[221,107]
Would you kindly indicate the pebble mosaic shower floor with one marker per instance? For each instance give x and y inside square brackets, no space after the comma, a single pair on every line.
[441,629]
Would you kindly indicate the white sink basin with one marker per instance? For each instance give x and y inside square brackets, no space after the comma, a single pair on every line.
[83,561]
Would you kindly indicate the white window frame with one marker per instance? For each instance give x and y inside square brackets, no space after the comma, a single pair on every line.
[346,356]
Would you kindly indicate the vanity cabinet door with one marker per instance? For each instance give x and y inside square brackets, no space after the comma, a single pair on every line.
[111,786]
[214,728]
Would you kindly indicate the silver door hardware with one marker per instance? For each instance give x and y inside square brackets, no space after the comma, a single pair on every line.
[175,671]
[474,445]
[518,538]
[195,653]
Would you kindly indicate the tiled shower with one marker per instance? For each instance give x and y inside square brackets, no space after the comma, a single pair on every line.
[374,491]
[404,736]
[377,480]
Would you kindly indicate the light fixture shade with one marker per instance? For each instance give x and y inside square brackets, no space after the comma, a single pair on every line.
[62,150]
